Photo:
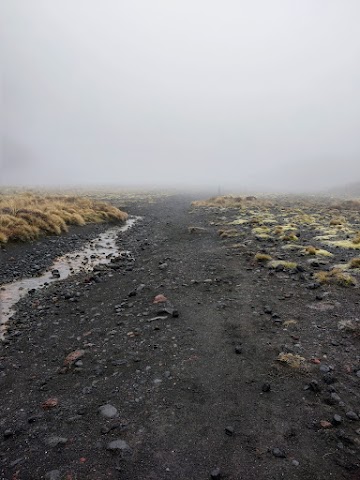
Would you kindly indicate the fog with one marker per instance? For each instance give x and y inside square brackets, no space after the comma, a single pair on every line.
[258,95]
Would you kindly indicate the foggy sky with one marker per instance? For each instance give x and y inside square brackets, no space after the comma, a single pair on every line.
[262,94]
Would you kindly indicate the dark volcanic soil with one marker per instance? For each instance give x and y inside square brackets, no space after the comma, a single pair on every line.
[197,396]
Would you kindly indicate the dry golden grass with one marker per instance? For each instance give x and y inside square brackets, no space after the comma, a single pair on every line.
[282,263]
[335,276]
[231,201]
[356,239]
[262,257]
[229,233]
[310,250]
[293,361]
[337,221]
[25,217]
[225,201]
[354,263]
[291,237]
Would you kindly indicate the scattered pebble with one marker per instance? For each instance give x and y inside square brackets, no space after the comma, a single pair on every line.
[352,416]
[118,446]
[215,474]
[277,452]
[108,411]
[337,419]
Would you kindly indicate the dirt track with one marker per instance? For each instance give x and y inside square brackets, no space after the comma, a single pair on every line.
[196,395]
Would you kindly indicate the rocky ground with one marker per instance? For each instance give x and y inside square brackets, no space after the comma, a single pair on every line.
[244,372]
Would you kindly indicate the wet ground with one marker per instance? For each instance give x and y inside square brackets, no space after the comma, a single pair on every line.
[100,251]
[241,372]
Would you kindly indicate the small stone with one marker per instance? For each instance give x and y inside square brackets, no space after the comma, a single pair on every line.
[266,387]
[55,441]
[118,446]
[314,386]
[337,419]
[278,453]
[215,474]
[324,369]
[267,309]
[295,463]
[238,350]
[325,424]
[108,411]
[229,431]
[352,416]
[329,378]
[53,475]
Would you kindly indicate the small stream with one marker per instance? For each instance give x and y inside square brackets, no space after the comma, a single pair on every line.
[98,251]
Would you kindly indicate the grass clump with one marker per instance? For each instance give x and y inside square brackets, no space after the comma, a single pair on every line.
[262,257]
[336,277]
[310,250]
[337,221]
[25,217]
[290,237]
[354,263]
[282,263]
[238,221]
[347,244]
[291,360]
[220,201]
[229,233]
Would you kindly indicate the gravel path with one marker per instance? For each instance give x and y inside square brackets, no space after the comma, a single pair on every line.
[99,382]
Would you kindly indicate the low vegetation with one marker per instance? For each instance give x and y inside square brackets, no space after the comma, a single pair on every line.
[290,359]
[262,257]
[354,263]
[229,233]
[285,265]
[335,276]
[313,231]
[225,201]
[25,216]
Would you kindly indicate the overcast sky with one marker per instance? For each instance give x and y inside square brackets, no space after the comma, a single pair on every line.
[260,93]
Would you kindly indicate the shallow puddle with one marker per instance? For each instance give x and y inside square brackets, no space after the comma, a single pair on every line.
[98,251]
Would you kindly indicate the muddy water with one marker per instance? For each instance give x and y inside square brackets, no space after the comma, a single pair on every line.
[98,251]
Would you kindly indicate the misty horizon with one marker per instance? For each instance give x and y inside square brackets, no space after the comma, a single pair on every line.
[260,96]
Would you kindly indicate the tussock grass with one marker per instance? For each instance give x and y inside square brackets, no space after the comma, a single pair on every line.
[354,263]
[310,250]
[338,221]
[335,276]
[282,263]
[262,257]
[25,217]
[290,237]
[230,201]
[346,244]
[291,360]
[229,233]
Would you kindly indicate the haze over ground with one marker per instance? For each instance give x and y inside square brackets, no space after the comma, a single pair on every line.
[257,94]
